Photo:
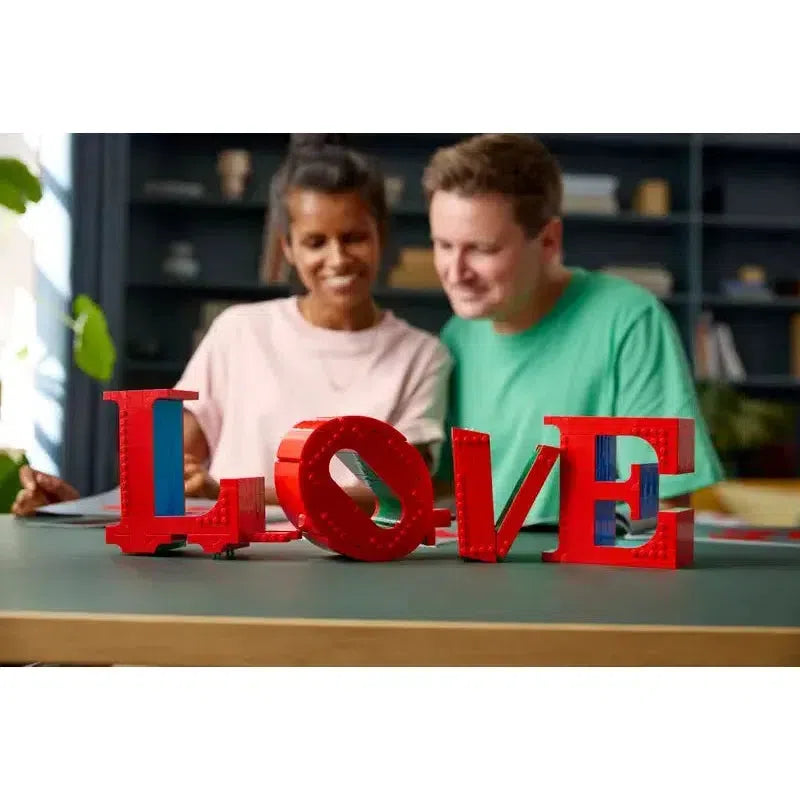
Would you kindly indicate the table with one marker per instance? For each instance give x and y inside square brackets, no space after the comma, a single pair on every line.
[67,597]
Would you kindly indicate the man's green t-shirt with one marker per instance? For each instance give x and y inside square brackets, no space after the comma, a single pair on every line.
[608,348]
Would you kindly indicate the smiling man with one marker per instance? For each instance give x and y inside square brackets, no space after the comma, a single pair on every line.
[532,337]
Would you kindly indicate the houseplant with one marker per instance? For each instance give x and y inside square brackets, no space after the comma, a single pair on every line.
[92,347]
[741,426]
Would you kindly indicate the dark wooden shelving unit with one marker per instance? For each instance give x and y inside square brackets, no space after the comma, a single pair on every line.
[735,200]
[765,304]
[753,222]
[712,229]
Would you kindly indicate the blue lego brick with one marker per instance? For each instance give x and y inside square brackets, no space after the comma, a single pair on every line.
[168,458]
[605,469]
[605,523]
[648,491]
[605,458]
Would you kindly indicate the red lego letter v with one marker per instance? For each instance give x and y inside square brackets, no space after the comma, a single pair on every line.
[477,538]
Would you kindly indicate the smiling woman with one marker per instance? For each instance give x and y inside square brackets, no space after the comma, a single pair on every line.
[331,351]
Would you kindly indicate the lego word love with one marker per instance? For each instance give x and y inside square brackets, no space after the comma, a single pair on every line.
[153,503]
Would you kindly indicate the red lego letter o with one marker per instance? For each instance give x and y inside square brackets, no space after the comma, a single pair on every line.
[319,507]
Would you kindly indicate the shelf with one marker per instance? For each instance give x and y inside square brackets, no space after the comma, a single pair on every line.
[768,385]
[776,303]
[218,203]
[769,382]
[401,293]
[270,291]
[752,222]
[208,202]
[628,140]
[145,365]
[621,218]
[781,142]
[678,299]
[629,218]
[382,293]
[232,291]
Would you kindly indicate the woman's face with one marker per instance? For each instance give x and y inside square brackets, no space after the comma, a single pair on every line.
[334,244]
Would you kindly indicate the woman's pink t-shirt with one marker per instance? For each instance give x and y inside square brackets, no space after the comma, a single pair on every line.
[262,368]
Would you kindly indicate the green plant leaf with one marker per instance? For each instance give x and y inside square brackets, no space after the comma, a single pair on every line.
[738,423]
[12,198]
[9,478]
[18,185]
[92,347]
[22,353]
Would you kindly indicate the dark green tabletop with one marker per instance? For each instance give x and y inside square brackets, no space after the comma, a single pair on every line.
[57,569]
[54,570]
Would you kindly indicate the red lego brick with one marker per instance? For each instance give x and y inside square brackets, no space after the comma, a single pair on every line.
[514,517]
[236,517]
[272,536]
[477,538]
[472,479]
[672,547]
[320,508]
[582,496]
[238,513]
[671,437]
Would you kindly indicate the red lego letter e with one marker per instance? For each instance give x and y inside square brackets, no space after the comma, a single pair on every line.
[589,489]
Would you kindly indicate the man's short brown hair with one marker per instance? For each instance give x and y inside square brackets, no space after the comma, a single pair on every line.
[515,165]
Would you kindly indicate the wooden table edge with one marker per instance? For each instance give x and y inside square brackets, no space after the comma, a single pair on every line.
[164,640]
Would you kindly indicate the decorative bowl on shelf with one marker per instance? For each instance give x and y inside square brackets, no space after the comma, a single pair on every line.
[180,262]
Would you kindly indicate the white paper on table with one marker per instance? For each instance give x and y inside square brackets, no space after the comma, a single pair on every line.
[106,507]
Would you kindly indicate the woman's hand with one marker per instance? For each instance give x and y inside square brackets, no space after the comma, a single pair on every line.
[197,481]
[40,489]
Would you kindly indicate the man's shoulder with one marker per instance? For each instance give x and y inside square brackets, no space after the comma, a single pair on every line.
[619,292]
[457,331]
[617,301]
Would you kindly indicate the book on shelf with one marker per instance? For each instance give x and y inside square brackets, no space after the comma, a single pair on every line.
[794,345]
[716,356]
[590,194]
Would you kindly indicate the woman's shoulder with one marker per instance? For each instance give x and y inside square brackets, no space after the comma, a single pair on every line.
[238,315]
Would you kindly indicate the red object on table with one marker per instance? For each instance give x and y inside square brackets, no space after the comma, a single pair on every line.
[477,538]
[238,513]
[581,493]
[324,512]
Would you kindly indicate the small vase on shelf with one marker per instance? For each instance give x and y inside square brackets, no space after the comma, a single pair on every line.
[233,167]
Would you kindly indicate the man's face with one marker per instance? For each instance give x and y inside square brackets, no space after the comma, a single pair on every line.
[486,263]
